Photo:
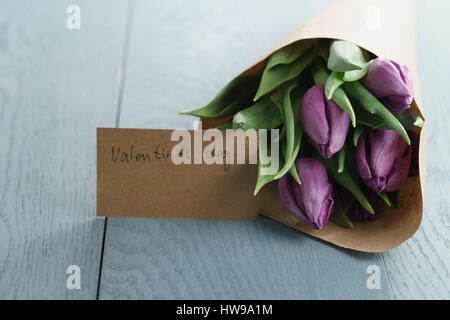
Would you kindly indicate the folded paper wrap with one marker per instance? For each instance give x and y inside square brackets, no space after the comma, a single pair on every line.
[154,187]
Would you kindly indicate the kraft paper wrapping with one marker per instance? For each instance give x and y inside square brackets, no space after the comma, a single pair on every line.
[393,36]
[159,189]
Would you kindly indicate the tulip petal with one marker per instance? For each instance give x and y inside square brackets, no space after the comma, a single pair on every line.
[313,115]
[312,202]
[316,190]
[383,159]
[386,148]
[325,123]
[287,197]
[384,79]
[339,123]
[391,83]
[406,76]
[400,172]
[361,159]
[326,210]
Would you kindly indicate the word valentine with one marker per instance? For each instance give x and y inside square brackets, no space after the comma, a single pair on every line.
[130,154]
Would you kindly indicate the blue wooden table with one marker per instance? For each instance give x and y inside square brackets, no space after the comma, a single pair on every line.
[136,64]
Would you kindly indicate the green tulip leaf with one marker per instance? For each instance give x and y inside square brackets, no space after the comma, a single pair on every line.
[340,213]
[370,103]
[263,163]
[294,173]
[289,105]
[282,134]
[384,196]
[294,131]
[284,65]
[365,118]
[263,115]
[341,158]
[410,119]
[277,99]
[262,179]
[236,96]
[320,76]
[357,134]
[335,80]
[290,53]
[356,75]
[345,56]
[348,179]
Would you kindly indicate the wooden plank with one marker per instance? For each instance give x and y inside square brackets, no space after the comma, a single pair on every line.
[56,86]
[420,269]
[180,56]
[179,259]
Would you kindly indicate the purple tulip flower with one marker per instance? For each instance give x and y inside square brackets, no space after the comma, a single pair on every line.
[383,160]
[312,201]
[391,83]
[324,122]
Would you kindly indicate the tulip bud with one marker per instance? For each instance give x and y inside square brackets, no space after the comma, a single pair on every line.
[324,122]
[383,159]
[391,83]
[312,201]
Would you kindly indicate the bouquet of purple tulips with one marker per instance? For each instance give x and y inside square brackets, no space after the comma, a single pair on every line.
[347,130]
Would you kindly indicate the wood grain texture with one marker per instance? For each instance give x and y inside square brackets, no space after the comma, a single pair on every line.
[56,86]
[420,268]
[180,259]
[180,58]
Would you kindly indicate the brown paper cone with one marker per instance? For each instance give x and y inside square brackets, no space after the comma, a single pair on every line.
[136,178]
[388,29]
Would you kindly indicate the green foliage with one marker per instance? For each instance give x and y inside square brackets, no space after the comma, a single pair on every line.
[236,96]
[286,64]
